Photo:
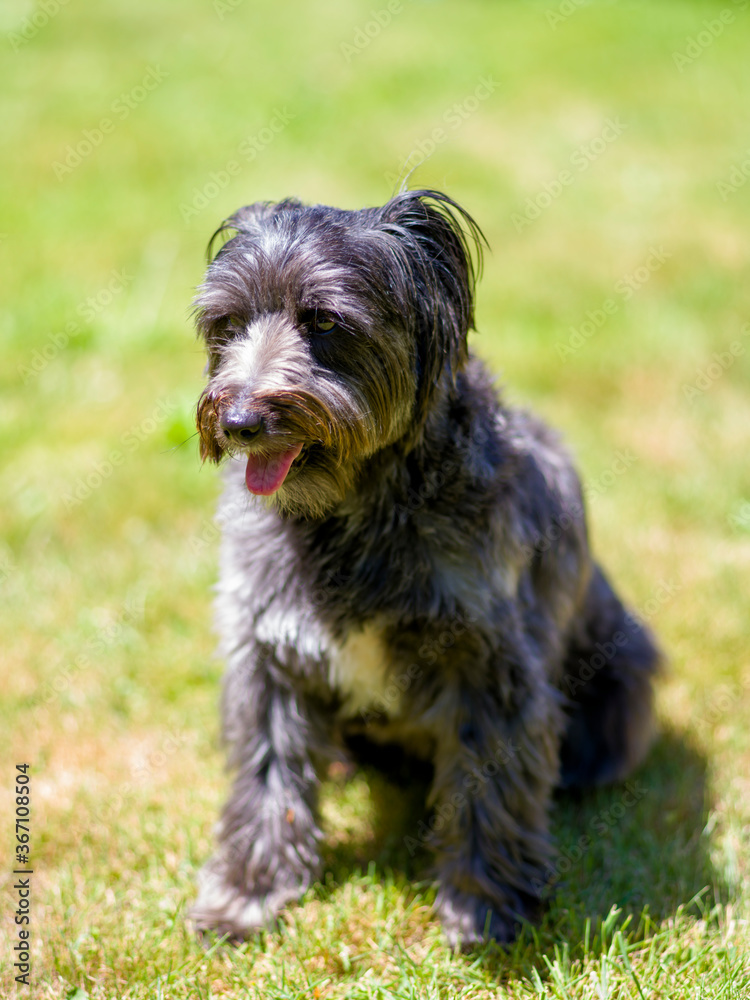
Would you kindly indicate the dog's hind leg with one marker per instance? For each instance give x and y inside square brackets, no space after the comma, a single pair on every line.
[607,678]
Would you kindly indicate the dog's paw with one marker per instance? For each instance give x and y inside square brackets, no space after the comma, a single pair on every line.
[227,909]
[470,920]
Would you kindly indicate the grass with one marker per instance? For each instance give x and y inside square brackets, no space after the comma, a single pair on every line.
[108,550]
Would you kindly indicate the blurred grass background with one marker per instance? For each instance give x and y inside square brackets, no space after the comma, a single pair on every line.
[130,130]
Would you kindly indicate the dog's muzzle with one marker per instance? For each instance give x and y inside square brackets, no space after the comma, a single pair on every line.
[269,458]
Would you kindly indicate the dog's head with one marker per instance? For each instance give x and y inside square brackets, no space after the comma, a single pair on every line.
[328,333]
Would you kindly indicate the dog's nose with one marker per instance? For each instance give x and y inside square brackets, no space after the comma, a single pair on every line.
[243,426]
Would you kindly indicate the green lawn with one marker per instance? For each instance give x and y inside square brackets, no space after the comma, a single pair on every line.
[605,150]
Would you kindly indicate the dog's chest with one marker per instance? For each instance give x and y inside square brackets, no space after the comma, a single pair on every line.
[359,669]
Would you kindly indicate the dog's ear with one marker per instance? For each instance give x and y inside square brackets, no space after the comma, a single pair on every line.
[251,220]
[248,219]
[435,241]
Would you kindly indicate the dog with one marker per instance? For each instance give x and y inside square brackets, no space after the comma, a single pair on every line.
[404,562]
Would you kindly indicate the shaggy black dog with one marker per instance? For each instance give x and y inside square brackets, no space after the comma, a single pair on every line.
[404,558]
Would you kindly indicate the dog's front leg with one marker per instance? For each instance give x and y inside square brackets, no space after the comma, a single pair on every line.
[495,767]
[268,833]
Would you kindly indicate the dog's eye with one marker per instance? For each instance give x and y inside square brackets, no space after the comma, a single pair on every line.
[235,322]
[320,322]
[324,325]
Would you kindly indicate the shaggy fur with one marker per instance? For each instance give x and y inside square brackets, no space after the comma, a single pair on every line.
[414,571]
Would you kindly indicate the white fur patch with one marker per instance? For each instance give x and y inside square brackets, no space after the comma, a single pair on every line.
[358,668]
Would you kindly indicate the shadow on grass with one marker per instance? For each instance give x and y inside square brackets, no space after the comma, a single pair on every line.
[637,846]
[398,787]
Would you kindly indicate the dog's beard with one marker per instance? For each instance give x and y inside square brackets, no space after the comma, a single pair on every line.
[313,459]
[319,485]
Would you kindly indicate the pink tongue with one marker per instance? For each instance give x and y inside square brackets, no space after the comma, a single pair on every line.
[265,475]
